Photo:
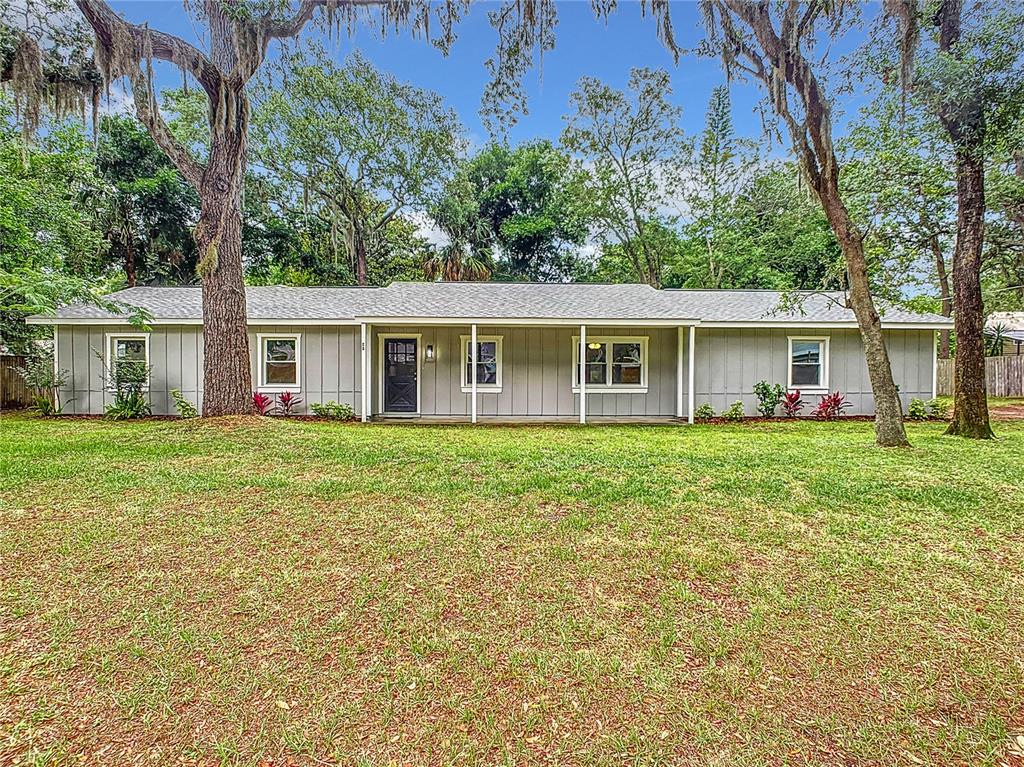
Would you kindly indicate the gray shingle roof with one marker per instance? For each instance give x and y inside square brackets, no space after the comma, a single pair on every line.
[512,300]
[774,306]
[276,302]
[498,301]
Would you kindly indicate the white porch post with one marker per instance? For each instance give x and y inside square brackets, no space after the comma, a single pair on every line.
[364,396]
[935,366]
[679,372]
[690,392]
[472,369]
[583,373]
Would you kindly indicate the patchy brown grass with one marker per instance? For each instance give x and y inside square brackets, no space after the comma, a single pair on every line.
[281,592]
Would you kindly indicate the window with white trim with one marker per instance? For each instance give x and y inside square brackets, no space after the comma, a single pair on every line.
[488,363]
[128,349]
[808,363]
[611,363]
[279,357]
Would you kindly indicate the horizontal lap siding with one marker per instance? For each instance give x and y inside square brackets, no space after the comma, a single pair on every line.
[729,361]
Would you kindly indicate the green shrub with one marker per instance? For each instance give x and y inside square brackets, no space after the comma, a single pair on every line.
[45,381]
[938,408]
[704,413]
[126,405]
[918,410]
[768,397]
[735,411]
[184,407]
[338,411]
[128,379]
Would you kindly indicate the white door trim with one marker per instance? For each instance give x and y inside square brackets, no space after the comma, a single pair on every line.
[419,369]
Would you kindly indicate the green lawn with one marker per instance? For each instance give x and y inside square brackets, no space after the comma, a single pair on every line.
[311,593]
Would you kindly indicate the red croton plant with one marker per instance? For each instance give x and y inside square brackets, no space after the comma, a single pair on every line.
[262,403]
[287,402]
[792,404]
[832,406]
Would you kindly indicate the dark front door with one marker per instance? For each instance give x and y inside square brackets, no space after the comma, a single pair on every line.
[400,375]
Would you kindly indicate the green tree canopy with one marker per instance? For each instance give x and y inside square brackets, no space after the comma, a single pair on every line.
[351,147]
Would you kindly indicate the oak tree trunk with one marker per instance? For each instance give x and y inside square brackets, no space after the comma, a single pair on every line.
[964,121]
[970,401]
[811,133]
[889,429]
[227,377]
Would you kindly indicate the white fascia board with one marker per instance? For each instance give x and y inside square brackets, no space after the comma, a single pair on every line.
[181,321]
[811,324]
[538,321]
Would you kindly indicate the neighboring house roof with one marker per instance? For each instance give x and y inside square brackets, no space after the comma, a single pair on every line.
[1011,323]
[497,302]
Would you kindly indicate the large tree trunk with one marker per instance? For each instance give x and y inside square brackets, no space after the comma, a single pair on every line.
[964,121]
[811,134]
[227,377]
[946,297]
[970,401]
[889,429]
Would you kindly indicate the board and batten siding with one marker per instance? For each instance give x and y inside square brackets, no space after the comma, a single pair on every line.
[537,368]
[329,364]
[536,373]
[729,361]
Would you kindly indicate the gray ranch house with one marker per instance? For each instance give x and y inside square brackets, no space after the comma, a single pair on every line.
[505,351]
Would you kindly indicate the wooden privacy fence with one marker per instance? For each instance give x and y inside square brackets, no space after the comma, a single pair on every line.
[1004,376]
[13,392]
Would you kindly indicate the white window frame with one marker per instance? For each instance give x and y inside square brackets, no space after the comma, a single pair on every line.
[108,356]
[823,383]
[466,385]
[608,387]
[261,362]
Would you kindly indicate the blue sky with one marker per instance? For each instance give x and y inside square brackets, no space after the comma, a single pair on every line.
[584,46]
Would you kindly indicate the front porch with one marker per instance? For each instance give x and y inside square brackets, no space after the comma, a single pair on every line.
[473,372]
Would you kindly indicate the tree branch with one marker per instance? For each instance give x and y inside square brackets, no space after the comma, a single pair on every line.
[108,27]
[105,23]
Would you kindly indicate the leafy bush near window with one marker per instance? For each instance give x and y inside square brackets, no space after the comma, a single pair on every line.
[792,404]
[45,382]
[768,397]
[918,411]
[735,411]
[287,402]
[704,413]
[263,404]
[831,406]
[938,408]
[184,407]
[128,378]
[338,411]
